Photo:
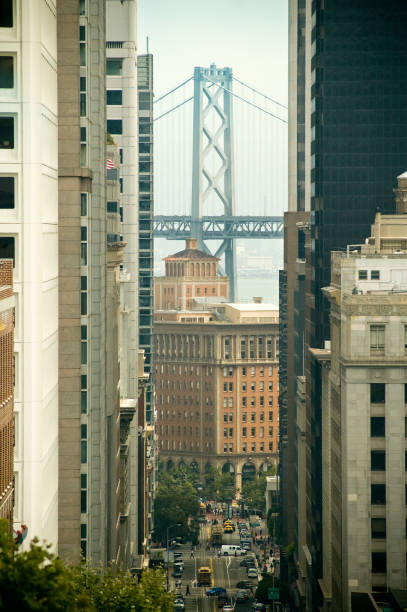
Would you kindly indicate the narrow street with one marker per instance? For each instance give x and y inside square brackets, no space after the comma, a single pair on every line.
[226,573]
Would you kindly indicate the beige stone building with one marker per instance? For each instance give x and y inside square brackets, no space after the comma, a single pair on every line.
[364,395]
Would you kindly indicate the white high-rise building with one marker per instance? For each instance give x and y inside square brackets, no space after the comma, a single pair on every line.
[29,234]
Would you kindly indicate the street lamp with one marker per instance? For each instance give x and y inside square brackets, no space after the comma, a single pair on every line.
[168,552]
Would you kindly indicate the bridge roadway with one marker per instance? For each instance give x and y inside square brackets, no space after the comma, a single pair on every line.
[226,572]
[219,228]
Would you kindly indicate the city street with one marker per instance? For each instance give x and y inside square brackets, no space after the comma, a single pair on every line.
[226,572]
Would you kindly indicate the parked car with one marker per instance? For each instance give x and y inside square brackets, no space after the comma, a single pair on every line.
[216,591]
[228,608]
[245,584]
[241,596]
[247,562]
[179,603]
[257,607]
[252,572]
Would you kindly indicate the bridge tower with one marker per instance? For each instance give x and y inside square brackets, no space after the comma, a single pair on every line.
[212,87]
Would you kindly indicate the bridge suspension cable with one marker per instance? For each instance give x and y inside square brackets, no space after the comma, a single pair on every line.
[172,90]
[232,93]
[260,93]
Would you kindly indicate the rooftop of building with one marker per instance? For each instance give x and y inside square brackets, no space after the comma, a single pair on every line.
[191,251]
[252,306]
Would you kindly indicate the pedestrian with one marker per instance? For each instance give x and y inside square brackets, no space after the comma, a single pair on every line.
[187,592]
[192,554]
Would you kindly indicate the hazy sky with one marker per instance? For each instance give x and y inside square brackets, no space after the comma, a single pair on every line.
[250,36]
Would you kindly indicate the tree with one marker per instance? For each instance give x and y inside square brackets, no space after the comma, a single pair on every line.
[254,493]
[218,485]
[36,580]
[176,501]
[268,581]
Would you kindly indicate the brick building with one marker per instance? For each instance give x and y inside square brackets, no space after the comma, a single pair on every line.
[216,373]
[6,390]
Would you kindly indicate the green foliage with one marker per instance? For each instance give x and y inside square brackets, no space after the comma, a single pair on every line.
[273,522]
[219,486]
[37,581]
[265,583]
[175,501]
[254,493]
[109,139]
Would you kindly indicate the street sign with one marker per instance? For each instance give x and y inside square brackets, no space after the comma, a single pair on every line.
[273,593]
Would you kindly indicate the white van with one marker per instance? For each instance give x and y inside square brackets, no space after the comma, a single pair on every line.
[232,549]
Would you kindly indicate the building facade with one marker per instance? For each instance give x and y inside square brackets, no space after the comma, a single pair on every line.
[6,391]
[216,373]
[29,236]
[363,425]
[348,143]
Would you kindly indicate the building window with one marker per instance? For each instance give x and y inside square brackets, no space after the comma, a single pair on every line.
[6,132]
[244,432]
[270,415]
[230,371]
[261,371]
[83,540]
[84,246]
[7,248]
[378,493]
[225,386]
[84,344]
[225,418]
[269,348]
[362,274]
[378,460]
[252,401]
[225,448]
[114,67]
[377,393]
[261,400]
[377,427]
[82,46]
[261,446]
[230,432]
[225,371]
[6,72]
[114,97]
[253,432]
[225,433]
[115,126]
[230,386]
[111,206]
[270,370]
[253,371]
[377,339]
[379,565]
[270,400]
[244,417]
[244,401]
[270,430]
[230,402]
[225,402]
[375,275]
[253,386]
[243,348]
[84,153]
[84,443]
[262,417]
[84,204]
[253,447]
[270,446]
[270,385]
[230,417]
[6,14]
[261,385]
[227,347]
[244,447]
[84,295]
[261,434]
[244,386]
[244,371]
[378,528]
[7,192]
[251,347]
[84,479]
[84,394]
[253,417]
[82,97]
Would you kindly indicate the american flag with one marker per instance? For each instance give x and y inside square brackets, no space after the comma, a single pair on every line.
[109,164]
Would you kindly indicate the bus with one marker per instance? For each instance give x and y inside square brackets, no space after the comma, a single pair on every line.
[204,576]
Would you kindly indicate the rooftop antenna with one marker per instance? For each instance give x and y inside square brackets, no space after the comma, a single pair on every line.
[147,44]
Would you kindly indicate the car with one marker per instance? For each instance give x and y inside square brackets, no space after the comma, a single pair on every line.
[179,564]
[228,608]
[247,562]
[245,584]
[252,572]
[241,596]
[228,529]
[216,591]
[179,604]
[257,607]
[246,545]
[223,600]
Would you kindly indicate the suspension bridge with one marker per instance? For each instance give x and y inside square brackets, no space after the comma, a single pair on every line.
[214,182]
